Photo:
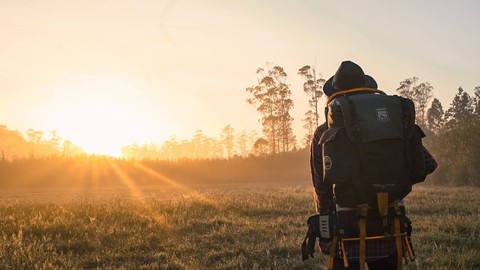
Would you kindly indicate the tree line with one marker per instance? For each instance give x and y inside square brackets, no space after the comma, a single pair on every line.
[451,132]
[34,144]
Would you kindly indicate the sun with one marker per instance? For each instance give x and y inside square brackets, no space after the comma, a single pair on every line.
[99,127]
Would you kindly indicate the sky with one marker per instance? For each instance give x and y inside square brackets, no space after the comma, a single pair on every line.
[110,73]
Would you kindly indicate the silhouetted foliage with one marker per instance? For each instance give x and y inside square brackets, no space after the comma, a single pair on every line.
[457,153]
[461,111]
[476,100]
[200,146]
[420,94]
[272,97]
[38,160]
[313,88]
[452,135]
[227,139]
[406,87]
[14,145]
[454,143]
[435,113]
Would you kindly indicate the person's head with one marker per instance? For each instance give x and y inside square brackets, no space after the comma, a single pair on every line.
[348,76]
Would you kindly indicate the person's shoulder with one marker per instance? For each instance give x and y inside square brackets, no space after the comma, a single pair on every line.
[320,130]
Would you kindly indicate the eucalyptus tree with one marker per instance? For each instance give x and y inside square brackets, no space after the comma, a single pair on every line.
[406,88]
[420,94]
[271,96]
[313,88]
[228,140]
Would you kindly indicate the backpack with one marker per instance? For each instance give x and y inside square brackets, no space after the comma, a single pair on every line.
[372,155]
[371,146]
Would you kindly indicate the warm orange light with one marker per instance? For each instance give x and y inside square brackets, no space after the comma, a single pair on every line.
[100,128]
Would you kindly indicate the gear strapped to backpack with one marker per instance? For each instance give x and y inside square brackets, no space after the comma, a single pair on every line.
[372,155]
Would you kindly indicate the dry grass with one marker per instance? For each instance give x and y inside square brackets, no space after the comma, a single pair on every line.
[232,226]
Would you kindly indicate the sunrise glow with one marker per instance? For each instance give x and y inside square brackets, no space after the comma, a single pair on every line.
[99,128]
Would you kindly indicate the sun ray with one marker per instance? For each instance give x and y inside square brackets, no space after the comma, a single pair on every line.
[138,194]
[127,181]
[158,176]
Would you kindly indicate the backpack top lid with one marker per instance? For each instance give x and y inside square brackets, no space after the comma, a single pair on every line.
[377,117]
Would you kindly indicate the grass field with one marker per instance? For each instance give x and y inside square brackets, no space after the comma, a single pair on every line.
[231,226]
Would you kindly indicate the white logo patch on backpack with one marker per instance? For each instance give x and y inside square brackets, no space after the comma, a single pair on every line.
[382,115]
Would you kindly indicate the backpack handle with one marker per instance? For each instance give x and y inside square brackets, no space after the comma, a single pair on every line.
[348,91]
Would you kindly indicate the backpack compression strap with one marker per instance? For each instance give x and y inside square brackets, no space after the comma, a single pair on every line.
[354,90]
[398,239]
[363,235]
[331,256]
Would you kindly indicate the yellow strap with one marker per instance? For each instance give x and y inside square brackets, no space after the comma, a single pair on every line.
[409,248]
[344,254]
[398,239]
[362,89]
[382,201]
[362,236]
[332,253]
[367,238]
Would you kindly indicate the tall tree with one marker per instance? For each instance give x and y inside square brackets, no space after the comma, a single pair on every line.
[422,94]
[406,88]
[34,136]
[312,87]
[476,92]
[260,147]
[170,149]
[228,140]
[272,98]
[285,105]
[242,142]
[310,125]
[461,110]
[200,144]
[435,116]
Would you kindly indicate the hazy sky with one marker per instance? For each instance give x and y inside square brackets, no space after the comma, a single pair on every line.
[114,72]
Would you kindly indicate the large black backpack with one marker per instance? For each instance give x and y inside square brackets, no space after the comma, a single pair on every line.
[372,146]
[372,155]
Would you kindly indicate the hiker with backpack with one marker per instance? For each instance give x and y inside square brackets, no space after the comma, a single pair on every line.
[364,160]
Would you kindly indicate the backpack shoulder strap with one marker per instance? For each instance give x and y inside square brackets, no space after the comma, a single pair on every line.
[354,90]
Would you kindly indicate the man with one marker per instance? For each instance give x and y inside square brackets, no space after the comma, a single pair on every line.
[381,253]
